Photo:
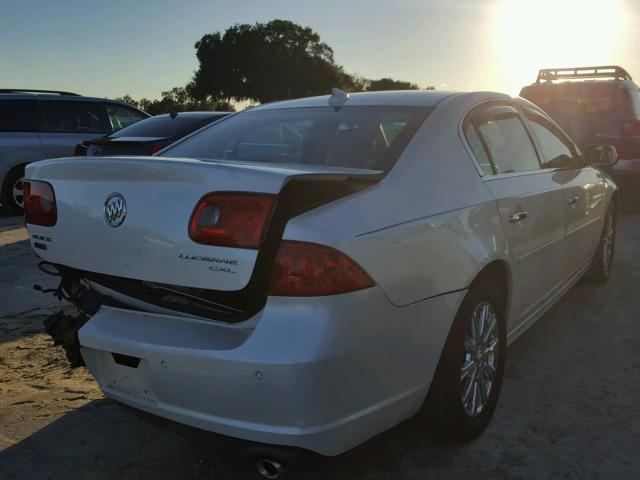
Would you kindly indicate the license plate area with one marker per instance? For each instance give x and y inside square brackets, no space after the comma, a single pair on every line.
[124,373]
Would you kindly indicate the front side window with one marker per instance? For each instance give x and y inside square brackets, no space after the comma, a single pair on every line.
[72,117]
[120,116]
[18,116]
[502,140]
[358,137]
[557,150]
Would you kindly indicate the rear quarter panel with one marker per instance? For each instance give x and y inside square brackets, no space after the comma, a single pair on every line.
[428,227]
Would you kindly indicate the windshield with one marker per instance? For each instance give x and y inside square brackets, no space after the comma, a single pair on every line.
[357,137]
[164,126]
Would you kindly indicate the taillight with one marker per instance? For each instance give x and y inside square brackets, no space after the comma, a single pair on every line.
[231,219]
[631,128]
[80,150]
[39,204]
[308,269]
[156,147]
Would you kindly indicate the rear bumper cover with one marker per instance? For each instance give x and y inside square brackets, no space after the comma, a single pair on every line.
[324,373]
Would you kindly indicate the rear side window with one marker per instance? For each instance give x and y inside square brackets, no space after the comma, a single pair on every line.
[72,117]
[162,127]
[120,116]
[557,149]
[478,148]
[18,116]
[584,109]
[503,140]
[359,137]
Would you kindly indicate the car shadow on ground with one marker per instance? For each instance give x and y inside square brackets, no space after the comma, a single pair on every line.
[566,411]
[103,440]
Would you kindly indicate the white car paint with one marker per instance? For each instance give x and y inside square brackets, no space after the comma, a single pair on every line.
[323,373]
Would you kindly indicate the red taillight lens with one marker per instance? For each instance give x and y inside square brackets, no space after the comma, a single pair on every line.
[308,269]
[80,150]
[39,204]
[231,219]
[631,128]
[156,147]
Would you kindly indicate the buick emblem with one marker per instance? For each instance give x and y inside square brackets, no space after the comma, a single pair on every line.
[115,210]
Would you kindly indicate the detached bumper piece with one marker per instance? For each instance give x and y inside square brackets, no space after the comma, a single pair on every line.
[63,328]
[64,331]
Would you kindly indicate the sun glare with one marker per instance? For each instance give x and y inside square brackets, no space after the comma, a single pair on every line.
[554,33]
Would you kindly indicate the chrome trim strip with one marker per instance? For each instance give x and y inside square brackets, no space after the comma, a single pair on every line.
[540,248]
[556,293]
[584,225]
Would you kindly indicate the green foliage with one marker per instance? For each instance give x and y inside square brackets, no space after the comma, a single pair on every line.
[263,62]
[177,99]
[389,84]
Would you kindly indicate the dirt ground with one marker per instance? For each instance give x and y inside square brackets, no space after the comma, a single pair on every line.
[570,405]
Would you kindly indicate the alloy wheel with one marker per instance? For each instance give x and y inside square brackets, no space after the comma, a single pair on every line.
[479,368]
[18,192]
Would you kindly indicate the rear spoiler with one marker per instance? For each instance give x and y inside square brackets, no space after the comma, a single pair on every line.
[549,75]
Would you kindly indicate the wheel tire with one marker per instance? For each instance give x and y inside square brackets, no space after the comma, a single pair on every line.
[445,406]
[12,203]
[600,270]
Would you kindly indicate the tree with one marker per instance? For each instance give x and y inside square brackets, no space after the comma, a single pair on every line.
[389,84]
[178,99]
[265,62]
[128,100]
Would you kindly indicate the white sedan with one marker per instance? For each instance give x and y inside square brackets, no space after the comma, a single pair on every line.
[307,273]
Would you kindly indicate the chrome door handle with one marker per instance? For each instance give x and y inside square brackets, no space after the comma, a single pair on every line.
[517,216]
[573,201]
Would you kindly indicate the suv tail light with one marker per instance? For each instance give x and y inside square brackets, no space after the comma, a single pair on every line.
[631,128]
[308,269]
[231,219]
[156,147]
[39,204]
[80,150]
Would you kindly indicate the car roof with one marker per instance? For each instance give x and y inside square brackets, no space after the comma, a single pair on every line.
[418,98]
[53,97]
[580,84]
[196,115]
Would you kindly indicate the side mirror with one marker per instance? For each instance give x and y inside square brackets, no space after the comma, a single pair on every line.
[600,155]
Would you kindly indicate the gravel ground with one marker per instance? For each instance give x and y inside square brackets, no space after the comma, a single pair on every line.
[570,405]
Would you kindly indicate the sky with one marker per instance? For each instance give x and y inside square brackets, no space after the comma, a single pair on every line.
[142,47]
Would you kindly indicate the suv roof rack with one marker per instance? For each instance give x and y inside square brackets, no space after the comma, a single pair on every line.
[31,90]
[552,74]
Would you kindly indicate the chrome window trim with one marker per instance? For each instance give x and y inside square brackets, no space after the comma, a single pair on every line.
[463,138]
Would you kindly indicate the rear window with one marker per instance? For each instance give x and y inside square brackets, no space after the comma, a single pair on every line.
[583,109]
[582,98]
[161,127]
[18,116]
[357,137]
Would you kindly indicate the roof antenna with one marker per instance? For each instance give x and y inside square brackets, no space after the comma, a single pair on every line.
[338,97]
[173,115]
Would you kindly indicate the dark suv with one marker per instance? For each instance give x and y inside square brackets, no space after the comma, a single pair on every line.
[596,105]
[39,124]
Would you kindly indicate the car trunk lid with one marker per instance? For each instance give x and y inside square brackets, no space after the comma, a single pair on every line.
[152,244]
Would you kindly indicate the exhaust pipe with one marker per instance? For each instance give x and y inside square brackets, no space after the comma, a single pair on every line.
[269,467]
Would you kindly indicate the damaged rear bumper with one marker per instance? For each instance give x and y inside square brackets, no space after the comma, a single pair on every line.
[310,374]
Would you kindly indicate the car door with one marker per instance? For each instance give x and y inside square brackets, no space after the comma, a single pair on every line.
[530,201]
[67,123]
[583,186]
